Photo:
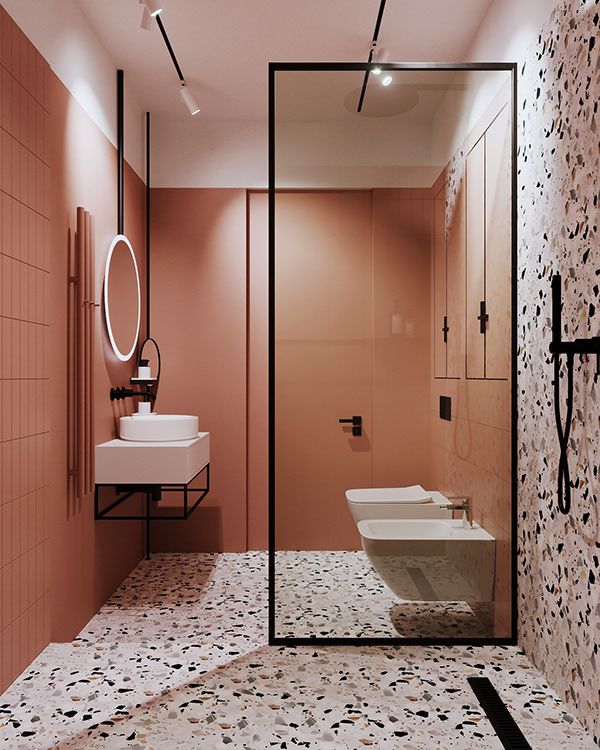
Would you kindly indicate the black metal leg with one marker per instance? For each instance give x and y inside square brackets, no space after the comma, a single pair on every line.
[148,495]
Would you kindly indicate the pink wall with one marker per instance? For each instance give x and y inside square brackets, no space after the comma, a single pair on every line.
[90,558]
[198,284]
[402,227]
[209,263]
[353,333]
[58,565]
[258,375]
[26,336]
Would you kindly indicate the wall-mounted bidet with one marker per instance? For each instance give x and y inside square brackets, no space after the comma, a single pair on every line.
[431,560]
[396,502]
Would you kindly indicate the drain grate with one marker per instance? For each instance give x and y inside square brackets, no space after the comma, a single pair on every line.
[500,718]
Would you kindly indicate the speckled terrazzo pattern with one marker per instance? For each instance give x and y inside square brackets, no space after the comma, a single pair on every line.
[177,659]
[455,174]
[311,602]
[559,179]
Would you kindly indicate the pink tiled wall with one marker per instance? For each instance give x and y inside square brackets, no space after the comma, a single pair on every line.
[24,426]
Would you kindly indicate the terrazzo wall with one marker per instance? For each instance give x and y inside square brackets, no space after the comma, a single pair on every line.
[559,187]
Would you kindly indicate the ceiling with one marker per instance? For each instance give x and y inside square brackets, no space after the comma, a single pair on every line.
[224,46]
[415,96]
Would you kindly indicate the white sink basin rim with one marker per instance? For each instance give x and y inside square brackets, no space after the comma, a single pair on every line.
[152,428]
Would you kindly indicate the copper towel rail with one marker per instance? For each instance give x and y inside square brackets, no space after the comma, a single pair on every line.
[80,348]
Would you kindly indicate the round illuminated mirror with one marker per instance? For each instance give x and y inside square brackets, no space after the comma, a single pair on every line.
[122,298]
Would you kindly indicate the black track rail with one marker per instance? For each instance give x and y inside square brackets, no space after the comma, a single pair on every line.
[363,90]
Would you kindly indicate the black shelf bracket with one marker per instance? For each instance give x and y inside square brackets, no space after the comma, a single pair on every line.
[558,347]
[154,493]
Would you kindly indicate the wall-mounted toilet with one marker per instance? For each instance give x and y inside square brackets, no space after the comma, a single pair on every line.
[396,502]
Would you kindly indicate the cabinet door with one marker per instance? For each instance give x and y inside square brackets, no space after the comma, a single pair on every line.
[455,289]
[475,241]
[439,284]
[498,245]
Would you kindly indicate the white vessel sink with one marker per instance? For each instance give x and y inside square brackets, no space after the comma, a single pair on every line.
[152,428]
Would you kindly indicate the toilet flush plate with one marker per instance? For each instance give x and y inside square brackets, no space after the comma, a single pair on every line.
[136,462]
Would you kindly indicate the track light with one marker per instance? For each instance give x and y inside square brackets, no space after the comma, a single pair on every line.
[150,11]
[380,56]
[146,21]
[188,98]
[152,6]
[386,80]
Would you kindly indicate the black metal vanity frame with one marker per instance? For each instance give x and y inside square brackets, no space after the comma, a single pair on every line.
[275,67]
[153,493]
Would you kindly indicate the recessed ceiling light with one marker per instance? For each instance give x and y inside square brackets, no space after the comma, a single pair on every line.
[386,80]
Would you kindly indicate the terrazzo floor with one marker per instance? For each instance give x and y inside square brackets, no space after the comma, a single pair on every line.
[177,659]
[363,607]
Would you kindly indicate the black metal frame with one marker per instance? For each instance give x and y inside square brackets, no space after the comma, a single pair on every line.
[170,49]
[153,493]
[120,149]
[148,206]
[367,67]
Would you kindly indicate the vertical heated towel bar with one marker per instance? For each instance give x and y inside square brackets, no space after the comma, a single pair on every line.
[81,327]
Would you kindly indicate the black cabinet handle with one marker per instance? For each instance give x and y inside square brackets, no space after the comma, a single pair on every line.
[356,423]
[445,329]
[483,317]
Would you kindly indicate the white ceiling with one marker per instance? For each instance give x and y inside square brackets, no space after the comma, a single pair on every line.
[224,46]
[414,96]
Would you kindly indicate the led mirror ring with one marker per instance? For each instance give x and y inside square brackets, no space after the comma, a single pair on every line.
[123,357]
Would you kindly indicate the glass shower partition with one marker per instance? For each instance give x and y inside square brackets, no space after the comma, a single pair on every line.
[392,432]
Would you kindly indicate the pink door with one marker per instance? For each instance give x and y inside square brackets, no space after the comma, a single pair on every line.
[323,345]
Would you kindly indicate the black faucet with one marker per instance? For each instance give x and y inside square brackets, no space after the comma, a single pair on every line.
[116,394]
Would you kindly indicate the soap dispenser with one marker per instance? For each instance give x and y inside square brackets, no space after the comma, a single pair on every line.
[144,370]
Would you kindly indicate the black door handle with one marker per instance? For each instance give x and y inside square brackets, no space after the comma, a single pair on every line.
[445,329]
[356,423]
[483,317]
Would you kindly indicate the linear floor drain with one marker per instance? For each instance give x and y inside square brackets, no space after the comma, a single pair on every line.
[500,718]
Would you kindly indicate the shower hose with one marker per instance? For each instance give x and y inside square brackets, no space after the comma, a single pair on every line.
[564,478]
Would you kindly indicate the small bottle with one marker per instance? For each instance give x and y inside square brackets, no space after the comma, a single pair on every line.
[144,407]
[144,369]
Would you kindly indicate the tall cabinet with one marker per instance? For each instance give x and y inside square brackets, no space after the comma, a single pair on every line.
[472,259]
[448,281]
[488,252]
